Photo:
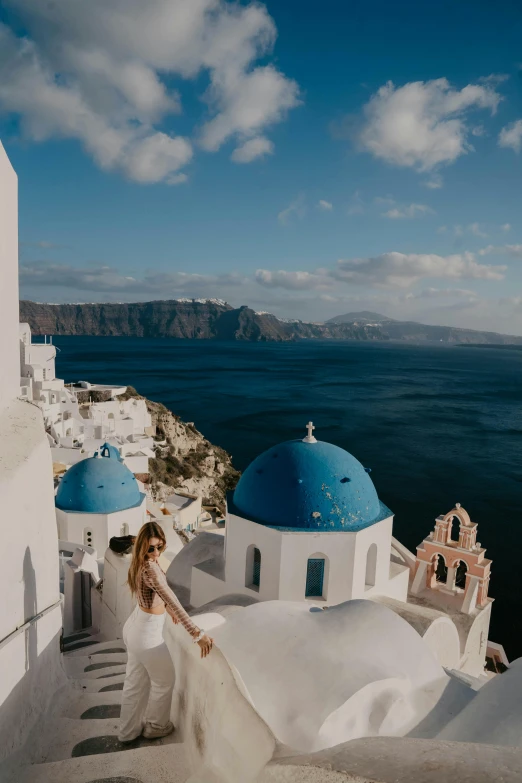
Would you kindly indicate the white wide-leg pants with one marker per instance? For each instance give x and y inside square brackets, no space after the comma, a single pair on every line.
[149,677]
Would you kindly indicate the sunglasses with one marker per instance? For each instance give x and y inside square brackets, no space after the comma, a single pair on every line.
[159,547]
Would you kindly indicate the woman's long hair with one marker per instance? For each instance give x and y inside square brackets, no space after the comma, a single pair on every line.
[141,546]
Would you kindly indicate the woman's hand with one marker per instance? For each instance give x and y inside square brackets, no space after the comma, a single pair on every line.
[205,645]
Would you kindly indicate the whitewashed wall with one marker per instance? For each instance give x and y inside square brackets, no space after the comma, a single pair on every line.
[72,525]
[9,330]
[30,608]
[284,559]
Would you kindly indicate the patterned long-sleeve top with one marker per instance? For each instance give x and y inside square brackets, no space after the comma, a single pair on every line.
[154,591]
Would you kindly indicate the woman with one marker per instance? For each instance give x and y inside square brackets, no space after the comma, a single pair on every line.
[149,677]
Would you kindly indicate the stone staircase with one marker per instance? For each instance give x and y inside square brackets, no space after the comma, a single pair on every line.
[79,743]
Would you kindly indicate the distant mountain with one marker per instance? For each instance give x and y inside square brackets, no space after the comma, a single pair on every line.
[411,331]
[364,316]
[213,319]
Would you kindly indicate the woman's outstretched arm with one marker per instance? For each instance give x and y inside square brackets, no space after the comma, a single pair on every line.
[156,579]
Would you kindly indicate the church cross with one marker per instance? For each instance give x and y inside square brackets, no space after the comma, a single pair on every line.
[310,438]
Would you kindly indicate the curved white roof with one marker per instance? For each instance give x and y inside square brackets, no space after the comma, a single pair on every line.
[319,678]
[495,714]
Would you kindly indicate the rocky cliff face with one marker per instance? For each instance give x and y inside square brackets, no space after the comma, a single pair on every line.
[185,459]
[136,319]
[216,320]
[192,320]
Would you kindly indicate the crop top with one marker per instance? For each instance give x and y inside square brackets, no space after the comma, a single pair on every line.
[153,591]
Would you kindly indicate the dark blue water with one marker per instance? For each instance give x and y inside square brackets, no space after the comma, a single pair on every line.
[437,425]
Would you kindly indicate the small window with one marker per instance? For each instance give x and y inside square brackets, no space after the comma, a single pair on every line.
[87,536]
[256,568]
[315,578]
[253,568]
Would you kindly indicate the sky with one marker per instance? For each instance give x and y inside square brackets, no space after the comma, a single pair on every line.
[304,159]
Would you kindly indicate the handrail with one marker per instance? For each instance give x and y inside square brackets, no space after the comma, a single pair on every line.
[22,628]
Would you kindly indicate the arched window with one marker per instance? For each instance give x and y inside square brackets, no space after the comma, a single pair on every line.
[454,530]
[371,566]
[441,569]
[460,576]
[253,568]
[315,577]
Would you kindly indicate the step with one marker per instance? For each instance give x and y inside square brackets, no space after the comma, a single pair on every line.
[95,648]
[102,684]
[75,637]
[158,764]
[79,701]
[81,666]
[70,737]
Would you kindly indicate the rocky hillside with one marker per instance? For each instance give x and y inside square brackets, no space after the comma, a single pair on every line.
[217,320]
[185,460]
[183,319]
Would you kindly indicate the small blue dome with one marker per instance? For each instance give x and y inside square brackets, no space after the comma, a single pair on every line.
[98,486]
[308,486]
[108,450]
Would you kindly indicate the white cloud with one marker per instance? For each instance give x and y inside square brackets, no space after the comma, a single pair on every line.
[511,136]
[101,73]
[423,124]
[405,269]
[441,293]
[475,229]
[395,270]
[506,227]
[296,209]
[325,206]
[410,211]
[293,281]
[515,251]
[459,231]
[435,182]
[252,149]
[105,279]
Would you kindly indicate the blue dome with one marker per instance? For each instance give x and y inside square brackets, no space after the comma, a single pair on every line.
[98,486]
[308,486]
[108,450]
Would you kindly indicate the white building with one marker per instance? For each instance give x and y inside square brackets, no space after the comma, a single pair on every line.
[99,498]
[78,430]
[305,523]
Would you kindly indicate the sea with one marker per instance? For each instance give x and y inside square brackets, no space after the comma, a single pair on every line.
[437,424]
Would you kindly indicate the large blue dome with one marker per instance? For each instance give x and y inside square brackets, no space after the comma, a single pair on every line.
[303,485]
[98,485]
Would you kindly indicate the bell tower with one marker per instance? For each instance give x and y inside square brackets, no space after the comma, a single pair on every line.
[455,568]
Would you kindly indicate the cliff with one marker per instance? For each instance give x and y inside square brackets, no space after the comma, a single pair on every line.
[214,319]
[185,460]
[210,319]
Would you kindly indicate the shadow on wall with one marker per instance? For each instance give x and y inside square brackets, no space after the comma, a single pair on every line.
[30,670]
[31,633]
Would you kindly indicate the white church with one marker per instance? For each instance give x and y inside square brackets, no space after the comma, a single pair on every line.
[339,655]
